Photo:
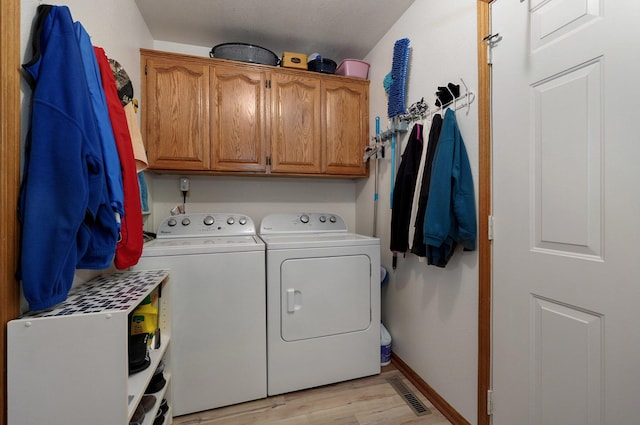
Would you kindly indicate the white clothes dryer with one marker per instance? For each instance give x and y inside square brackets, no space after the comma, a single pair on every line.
[218,337]
[323,301]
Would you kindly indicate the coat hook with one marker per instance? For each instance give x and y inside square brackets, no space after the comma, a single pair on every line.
[466,88]
[453,96]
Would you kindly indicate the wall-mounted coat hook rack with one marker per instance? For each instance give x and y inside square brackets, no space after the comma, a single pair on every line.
[421,110]
[397,125]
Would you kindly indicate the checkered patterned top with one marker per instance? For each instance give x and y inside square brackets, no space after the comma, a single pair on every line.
[114,292]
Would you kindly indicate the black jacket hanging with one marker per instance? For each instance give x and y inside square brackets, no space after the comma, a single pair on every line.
[404,187]
[418,247]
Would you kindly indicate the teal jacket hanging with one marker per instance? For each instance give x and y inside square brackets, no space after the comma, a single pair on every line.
[450,216]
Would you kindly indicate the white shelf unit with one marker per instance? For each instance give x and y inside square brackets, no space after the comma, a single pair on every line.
[69,365]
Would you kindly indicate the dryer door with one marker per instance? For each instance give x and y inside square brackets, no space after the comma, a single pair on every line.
[325,296]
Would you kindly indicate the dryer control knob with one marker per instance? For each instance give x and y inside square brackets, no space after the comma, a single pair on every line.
[230,221]
[304,218]
[323,219]
[332,219]
[186,221]
[242,221]
[172,222]
[208,220]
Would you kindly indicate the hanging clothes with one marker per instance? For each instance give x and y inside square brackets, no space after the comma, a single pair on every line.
[129,247]
[418,247]
[450,216]
[125,93]
[416,192]
[99,103]
[64,203]
[403,191]
[139,151]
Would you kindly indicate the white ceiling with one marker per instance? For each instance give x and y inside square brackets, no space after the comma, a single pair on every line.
[337,29]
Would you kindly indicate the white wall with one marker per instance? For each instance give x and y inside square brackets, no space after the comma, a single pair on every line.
[430,312]
[187,49]
[114,25]
[254,196]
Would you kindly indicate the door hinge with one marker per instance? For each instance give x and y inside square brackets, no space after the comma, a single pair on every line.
[146,68]
[267,84]
[269,161]
[490,227]
[489,402]
[491,40]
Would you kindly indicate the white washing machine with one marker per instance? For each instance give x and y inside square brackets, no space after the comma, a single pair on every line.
[323,301]
[218,337]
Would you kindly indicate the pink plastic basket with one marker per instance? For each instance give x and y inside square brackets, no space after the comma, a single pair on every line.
[353,68]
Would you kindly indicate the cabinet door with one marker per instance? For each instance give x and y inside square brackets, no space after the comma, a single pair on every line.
[345,119]
[175,114]
[238,119]
[295,124]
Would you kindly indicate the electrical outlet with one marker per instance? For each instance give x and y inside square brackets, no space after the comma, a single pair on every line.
[184,184]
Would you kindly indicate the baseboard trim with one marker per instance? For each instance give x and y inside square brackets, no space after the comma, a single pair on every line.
[436,399]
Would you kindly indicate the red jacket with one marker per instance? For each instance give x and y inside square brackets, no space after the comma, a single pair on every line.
[129,248]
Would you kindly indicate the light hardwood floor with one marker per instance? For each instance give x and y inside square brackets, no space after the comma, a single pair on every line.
[366,401]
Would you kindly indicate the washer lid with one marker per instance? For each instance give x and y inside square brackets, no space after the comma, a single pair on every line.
[203,245]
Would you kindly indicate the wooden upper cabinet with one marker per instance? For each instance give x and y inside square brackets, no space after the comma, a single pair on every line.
[295,124]
[345,116]
[215,116]
[175,113]
[238,119]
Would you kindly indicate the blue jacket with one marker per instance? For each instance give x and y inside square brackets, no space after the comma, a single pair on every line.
[67,219]
[99,102]
[450,217]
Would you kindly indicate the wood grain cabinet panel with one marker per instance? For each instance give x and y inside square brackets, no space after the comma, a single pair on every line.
[213,116]
[176,114]
[345,119]
[295,124]
[238,119]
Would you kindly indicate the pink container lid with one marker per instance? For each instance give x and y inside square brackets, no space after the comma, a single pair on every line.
[353,68]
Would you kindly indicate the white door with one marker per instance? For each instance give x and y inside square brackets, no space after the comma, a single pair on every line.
[566,193]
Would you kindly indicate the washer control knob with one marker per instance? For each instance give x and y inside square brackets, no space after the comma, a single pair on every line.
[186,221]
[242,221]
[172,222]
[332,219]
[208,220]
[230,221]
[304,218]
[323,219]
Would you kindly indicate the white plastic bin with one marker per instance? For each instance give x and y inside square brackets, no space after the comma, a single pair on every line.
[385,346]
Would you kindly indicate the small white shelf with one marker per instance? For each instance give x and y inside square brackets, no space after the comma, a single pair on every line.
[150,417]
[138,381]
[69,365]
